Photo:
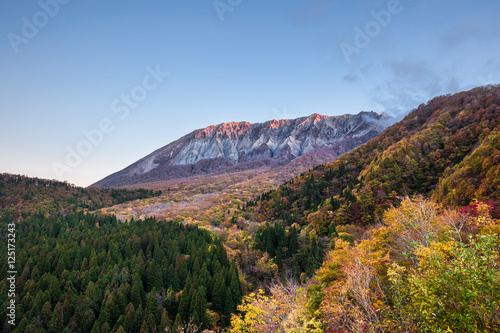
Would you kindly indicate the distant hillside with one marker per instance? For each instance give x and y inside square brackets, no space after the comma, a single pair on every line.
[238,146]
[22,195]
[448,148]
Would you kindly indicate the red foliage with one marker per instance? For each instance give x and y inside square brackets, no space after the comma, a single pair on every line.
[472,209]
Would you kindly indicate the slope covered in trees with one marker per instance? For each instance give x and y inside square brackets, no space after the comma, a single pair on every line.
[22,196]
[426,268]
[477,176]
[84,272]
[434,150]
[423,263]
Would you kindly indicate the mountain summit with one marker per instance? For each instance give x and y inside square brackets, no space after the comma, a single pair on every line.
[236,146]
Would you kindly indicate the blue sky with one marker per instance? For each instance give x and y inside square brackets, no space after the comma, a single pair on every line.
[111,81]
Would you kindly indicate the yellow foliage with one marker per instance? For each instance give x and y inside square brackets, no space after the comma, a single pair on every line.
[382,283]
[484,218]
[330,270]
[285,310]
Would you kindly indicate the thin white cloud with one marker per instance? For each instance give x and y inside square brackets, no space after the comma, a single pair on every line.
[410,84]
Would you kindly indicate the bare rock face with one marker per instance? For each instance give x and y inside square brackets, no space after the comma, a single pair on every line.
[241,145]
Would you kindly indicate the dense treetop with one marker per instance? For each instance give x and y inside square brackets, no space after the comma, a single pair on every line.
[84,272]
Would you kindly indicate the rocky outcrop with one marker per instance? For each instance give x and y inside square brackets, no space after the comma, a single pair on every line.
[242,145]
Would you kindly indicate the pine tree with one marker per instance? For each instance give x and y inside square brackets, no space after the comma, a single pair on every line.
[229,307]
[218,294]
[235,285]
[333,230]
[152,306]
[130,318]
[185,303]
[105,328]
[46,314]
[177,323]
[144,327]
[151,321]
[196,319]
[108,294]
[335,203]
[165,321]
[58,317]
[293,244]
[206,279]
[120,330]
[200,305]
[139,318]
[270,240]
[279,259]
[153,278]
[137,291]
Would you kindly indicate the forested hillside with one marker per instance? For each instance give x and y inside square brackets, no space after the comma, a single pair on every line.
[447,148]
[83,273]
[21,196]
[414,222]
[425,268]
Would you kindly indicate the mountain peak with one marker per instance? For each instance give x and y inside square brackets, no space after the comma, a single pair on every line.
[230,130]
[276,123]
[275,142]
[316,117]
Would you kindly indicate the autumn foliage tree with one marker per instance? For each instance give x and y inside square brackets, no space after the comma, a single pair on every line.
[418,272]
[286,308]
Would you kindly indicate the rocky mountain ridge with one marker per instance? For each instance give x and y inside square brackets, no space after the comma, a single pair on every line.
[242,145]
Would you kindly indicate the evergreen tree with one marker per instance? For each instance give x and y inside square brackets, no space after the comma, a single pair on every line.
[205,278]
[46,314]
[293,244]
[335,203]
[137,291]
[130,318]
[270,240]
[279,259]
[151,321]
[139,318]
[178,325]
[144,327]
[165,320]
[152,306]
[218,294]
[333,230]
[229,307]
[235,286]
[58,318]
[153,278]
[196,319]
[185,303]
[200,306]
